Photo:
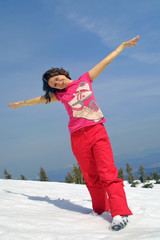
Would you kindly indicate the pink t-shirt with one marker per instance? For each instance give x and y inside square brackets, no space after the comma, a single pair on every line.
[80,104]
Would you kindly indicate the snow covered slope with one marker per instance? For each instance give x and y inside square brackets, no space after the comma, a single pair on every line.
[59,211]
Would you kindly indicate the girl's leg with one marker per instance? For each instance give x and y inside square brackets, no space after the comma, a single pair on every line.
[108,173]
[99,198]
[84,155]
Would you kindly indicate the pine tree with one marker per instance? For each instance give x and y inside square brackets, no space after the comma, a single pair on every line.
[69,178]
[148,177]
[22,177]
[121,174]
[156,175]
[75,175]
[43,175]
[129,170]
[7,175]
[141,173]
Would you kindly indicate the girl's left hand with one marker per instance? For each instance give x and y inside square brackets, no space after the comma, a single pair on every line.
[132,42]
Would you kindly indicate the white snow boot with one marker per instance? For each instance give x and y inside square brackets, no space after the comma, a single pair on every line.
[118,222]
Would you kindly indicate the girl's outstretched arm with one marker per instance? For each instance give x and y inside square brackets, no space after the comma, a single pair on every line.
[33,101]
[95,71]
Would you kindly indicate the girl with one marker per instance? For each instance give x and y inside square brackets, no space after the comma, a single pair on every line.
[89,139]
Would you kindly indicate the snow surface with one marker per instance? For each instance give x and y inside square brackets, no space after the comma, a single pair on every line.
[60,211]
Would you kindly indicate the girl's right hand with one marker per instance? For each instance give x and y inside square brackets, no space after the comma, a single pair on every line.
[15,105]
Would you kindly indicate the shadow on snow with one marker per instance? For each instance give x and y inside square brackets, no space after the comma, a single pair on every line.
[60,203]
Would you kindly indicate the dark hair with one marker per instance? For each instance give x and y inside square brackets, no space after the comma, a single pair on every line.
[47,75]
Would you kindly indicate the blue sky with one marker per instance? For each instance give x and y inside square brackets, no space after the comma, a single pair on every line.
[39,34]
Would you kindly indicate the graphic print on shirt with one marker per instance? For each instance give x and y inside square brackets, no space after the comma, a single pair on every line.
[80,110]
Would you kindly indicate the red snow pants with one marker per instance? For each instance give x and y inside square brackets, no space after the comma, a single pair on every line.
[92,149]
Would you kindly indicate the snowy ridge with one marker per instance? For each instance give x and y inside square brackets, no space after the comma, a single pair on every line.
[59,211]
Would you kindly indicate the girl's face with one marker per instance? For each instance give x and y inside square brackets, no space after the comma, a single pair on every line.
[59,82]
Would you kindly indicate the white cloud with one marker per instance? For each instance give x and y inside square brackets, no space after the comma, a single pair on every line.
[110,35]
[149,92]
[112,32]
[102,28]
[149,58]
[142,149]
[124,90]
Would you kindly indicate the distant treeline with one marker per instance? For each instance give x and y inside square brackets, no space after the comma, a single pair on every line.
[75,175]
[42,175]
